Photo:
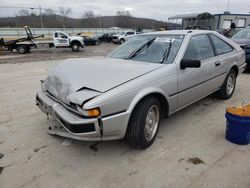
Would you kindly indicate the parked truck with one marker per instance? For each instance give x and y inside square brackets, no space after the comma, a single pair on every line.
[63,40]
[21,45]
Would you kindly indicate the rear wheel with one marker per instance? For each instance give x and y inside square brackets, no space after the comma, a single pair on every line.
[75,47]
[22,49]
[144,123]
[97,43]
[228,86]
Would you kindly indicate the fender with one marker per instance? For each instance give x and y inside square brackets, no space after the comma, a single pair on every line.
[143,93]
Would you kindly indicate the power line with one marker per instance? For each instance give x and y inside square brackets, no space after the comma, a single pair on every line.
[35,8]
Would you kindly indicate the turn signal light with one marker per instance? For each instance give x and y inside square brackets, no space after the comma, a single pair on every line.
[95,112]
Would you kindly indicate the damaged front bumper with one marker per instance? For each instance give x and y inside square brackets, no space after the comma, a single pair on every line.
[77,127]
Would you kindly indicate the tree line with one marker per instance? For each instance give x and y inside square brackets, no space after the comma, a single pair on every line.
[62,18]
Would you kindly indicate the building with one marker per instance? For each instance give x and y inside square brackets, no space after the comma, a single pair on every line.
[223,21]
[209,21]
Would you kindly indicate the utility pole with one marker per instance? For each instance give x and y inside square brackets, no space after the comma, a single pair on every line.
[41,16]
[227,5]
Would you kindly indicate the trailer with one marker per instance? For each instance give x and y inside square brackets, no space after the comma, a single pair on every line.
[21,45]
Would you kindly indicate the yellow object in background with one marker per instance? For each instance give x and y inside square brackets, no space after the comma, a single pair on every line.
[243,111]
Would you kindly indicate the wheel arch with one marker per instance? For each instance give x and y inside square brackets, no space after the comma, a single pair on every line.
[151,92]
[75,42]
[235,68]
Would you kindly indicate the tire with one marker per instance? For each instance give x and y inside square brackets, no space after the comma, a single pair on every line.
[97,43]
[22,49]
[75,47]
[28,49]
[122,41]
[140,132]
[228,87]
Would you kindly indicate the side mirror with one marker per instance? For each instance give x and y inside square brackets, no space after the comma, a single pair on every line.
[190,63]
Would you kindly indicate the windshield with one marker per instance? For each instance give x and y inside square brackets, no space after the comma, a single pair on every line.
[243,34]
[150,48]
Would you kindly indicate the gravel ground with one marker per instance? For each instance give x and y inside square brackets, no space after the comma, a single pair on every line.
[43,53]
[190,149]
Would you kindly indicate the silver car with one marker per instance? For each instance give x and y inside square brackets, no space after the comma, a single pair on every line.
[147,78]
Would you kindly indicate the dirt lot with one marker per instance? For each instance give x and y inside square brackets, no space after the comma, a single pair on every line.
[43,53]
[190,149]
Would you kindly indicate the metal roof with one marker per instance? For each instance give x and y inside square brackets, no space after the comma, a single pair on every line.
[192,15]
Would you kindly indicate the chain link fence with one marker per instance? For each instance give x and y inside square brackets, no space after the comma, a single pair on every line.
[12,33]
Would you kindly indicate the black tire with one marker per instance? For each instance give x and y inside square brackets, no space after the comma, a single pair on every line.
[97,43]
[122,41]
[22,49]
[28,49]
[136,135]
[75,47]
[224,92]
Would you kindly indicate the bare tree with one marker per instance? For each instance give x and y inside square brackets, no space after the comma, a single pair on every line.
[123,13]
[49,12]
[23,12]
[123,19]
[65,12]
[88,14]
[89,19]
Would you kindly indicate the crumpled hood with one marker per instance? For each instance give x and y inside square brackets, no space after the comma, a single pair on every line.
[80,79]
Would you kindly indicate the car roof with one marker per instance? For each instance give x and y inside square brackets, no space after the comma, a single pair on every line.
[179,32]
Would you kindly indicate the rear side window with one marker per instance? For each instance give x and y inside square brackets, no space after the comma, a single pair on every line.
[221,46]
[199,48]
[130,33]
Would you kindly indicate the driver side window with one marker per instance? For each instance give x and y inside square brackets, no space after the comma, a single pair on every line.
[199,48]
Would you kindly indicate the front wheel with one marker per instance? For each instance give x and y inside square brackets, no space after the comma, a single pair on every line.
[228,87]
[122,41]
[144,123]
[75,47]
[22,49]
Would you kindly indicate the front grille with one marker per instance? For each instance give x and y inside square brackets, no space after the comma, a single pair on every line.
[115,38]
[77,128]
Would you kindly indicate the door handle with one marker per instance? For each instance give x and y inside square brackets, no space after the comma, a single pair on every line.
[217,63]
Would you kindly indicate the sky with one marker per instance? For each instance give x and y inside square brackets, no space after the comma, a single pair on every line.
[155,9]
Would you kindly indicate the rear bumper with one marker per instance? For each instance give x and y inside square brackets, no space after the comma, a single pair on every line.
[242,68]
[74,126]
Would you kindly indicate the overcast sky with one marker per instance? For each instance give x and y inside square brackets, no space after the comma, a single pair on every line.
[156,9]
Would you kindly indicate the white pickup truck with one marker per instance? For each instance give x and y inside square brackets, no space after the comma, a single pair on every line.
[122,37]
[63,40]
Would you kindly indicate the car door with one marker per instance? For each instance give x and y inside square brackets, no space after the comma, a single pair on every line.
[195,83]
[129,35]
[60,39]
[226,57]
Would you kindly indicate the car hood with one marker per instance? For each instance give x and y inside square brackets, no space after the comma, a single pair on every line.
[80,79]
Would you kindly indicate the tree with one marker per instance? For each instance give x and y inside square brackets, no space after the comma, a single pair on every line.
[123,19]
[89,19]
[49,12]
[88,14]
[65,12]
[123,13]
[23,12]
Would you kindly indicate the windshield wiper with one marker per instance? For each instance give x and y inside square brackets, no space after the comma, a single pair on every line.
[167,52]
[142,48]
